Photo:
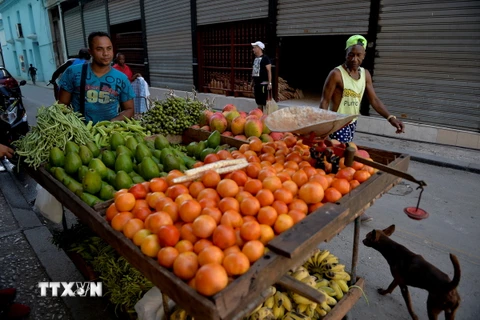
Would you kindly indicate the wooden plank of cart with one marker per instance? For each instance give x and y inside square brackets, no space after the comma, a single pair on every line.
[288,250]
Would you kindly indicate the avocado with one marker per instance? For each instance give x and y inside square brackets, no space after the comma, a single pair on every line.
[72,163]
[56,157]
[85,154]
[71,146]
[123,163]
[161,142]
[97,165]
[116,140]
[93,147]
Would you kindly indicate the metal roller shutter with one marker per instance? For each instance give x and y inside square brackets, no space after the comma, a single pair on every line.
[322,17]
[427,61]
[73,31]
[120,11]
[169,40]
[94,17]
[216,11]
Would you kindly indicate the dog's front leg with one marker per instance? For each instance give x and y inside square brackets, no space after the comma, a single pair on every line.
[406,297]
[390,288]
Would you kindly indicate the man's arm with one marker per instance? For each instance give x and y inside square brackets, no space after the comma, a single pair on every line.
[329,88]
[378,105]
[269,73]
[127,110]
[64,97]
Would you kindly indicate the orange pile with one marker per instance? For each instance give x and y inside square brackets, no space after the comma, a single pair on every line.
[213,229]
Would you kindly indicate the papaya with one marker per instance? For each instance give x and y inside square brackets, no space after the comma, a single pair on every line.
[213,140]
[56,157]
[73,162]
[161,142]
[92,182]
[85,154]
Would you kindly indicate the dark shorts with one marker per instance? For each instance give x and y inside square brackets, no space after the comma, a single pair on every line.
[346,133]
[261,91]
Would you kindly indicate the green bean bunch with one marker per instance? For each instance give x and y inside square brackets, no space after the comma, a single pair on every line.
[56,125]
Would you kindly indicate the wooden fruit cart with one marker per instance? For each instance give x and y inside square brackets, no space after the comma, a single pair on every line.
[287,250]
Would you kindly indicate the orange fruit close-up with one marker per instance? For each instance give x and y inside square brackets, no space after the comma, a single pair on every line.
[272,183]
[215,213]
[183,197]
[208,193]
[150,246]
[254,250]
[265,197]
[249,206]
[266,172]
[153,198]
[119,192]
[189,210]
[298,204]
[201,244]
[345,173]
[236,263]
[211,158]
[256,145]
[168,236]
[322,179]
[296,215]
[232,249]
[140,236]
[300,177]
[332,195]
[341,185]
[176,190]
[111,212]
[224,155]
[203,226]
[283,223]
[138,190]
[228,203]
[185,265]
[125,202]
[280,207]
[172,209]
[362,176]
[210,254]
[353,184]
[240,177]
[291,186]
[186,233]
[132,227]
[242,195]
[232,218]
[314,206]
[158,184]
[239,240]
[184,246]
[224,236]
[253,186]
[227,188]
[267,215]
[161,203]
[166,256]
[311,192]
[250,230]
[210,179]
[284,195]
[172,175]
[253,169]
[157,220]
[291,165]
[210,279]
[266,234]
[120,220]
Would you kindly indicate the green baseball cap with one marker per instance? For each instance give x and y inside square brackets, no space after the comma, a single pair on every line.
[355,39]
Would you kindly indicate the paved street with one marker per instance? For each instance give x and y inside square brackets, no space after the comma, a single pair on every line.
[451,198]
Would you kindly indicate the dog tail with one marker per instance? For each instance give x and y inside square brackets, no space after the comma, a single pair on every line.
[456,276]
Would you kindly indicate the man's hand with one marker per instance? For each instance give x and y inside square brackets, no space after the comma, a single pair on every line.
[269,87]
[5,151]
[397,124]
[135,76]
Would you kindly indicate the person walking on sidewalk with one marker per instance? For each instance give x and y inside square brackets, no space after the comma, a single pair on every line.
[261,74]
[95,88]
[32,71]
[344,88]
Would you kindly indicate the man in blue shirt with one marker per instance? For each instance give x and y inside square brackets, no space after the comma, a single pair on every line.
[105,87]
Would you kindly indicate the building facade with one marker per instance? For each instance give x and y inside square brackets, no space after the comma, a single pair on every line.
[26,29]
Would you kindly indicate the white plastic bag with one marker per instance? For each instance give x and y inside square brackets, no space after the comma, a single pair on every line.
[271,105]
[150,307]
[48,205]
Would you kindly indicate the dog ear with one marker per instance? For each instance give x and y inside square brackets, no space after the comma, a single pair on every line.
[375,235]
[389,230]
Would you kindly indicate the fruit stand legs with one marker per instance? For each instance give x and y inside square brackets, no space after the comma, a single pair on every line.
[356,239]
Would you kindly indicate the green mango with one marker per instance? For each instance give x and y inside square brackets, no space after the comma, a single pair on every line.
[74,186]
[213,140]
[149,169]
[138,179]
[92,182]
[59,174]
[138,137]
[131,143]
[191,149]
[161,142]
[124,149]
[97,165]
[108,158]
[89,199]
[85,154]
[106,192]
[171,162]
[156,153]
[73,162]
[81,172]
[116,140]
[201,145]
[165,152]
[110,176]
[123,180]
[123,163]
[71,146]
[56,157]
[141,152]
[93,147]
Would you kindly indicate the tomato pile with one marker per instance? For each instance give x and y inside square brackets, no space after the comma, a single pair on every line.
[211,230]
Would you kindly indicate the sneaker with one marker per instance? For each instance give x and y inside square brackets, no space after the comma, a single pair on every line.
[365,218]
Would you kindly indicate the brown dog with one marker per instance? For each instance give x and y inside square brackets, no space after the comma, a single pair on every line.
[410,269]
